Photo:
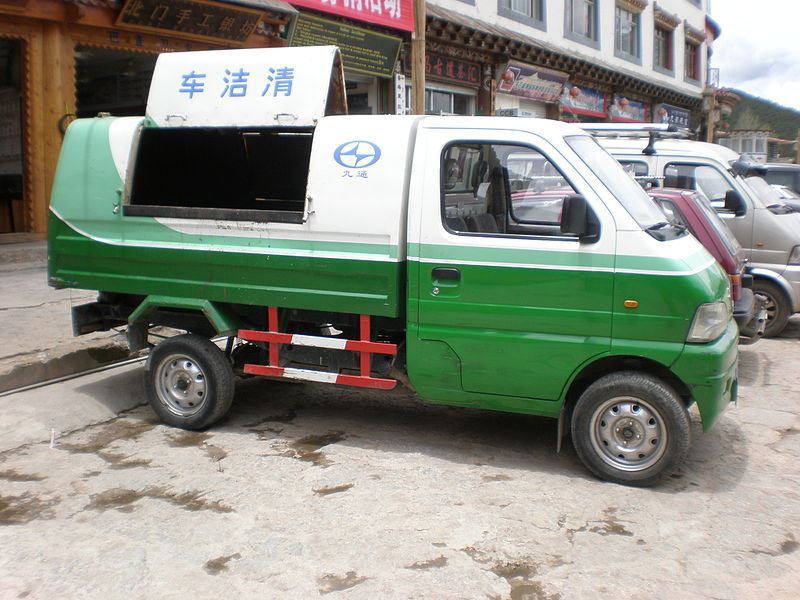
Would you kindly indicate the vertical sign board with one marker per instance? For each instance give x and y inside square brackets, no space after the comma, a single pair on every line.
[363,51]
[399,94]
[395,14]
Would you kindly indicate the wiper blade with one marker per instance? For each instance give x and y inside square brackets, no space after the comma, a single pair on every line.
[659,225]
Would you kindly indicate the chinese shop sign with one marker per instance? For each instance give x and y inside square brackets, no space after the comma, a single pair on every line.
[200,19]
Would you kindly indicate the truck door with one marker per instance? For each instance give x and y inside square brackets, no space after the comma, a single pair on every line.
[504,303]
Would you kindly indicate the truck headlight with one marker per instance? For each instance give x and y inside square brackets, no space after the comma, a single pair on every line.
[794,256]
[710,321]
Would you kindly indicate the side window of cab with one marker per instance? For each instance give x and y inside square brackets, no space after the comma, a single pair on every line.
[712,184]
[501,189]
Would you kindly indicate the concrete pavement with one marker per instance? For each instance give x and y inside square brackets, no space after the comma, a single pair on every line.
[36,341]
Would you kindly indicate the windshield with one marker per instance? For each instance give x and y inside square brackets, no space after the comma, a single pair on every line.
[765,192]
[620,184]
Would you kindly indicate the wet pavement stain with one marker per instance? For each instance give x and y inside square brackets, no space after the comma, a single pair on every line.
[498,477]
[18,510]
[123,499]
[196,439]
[105,435]
[12,475]
[336,583]
[308,448]
[216,565]
[518,575]
[788,546]
[327,491]
[286,417]
[434,563]
[122,461]
[215,453]
[608,526]
[186,439]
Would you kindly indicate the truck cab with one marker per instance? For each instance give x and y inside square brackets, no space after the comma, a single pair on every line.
[769,235]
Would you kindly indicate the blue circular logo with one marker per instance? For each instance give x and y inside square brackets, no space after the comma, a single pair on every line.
[357,154]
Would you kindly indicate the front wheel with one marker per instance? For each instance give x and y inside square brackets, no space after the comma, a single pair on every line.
[777,305]
[631,428]
[189,382]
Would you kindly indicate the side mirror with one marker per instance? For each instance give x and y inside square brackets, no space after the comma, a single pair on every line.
[578,219]
[735,203]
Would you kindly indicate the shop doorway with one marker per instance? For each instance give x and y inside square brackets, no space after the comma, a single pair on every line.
[111,81]
[12,217]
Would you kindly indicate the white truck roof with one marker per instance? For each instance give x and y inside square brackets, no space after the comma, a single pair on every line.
[257,87]
[669,147]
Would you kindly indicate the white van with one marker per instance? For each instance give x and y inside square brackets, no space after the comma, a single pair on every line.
[769,233]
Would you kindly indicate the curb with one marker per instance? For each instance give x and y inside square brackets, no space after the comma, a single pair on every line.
[52,364]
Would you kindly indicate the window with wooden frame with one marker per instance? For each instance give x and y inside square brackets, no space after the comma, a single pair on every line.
[529,12]
[628,29]
[692,53]
[581,22]
[663,40]
[691,59]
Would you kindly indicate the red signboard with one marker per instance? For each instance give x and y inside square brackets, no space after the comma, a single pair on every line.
[397,14]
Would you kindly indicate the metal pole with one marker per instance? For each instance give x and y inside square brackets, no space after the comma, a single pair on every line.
[418,60]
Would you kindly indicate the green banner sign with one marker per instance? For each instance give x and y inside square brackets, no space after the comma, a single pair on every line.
[363,51]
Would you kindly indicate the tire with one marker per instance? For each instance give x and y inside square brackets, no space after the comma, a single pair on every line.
[189,382]
[631,428]
[777,305]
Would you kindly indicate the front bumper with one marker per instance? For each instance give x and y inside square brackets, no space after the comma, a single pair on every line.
[750,315]
[709,371]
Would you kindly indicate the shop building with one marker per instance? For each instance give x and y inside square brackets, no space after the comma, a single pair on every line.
[581,60]
[574,60]
[60,59]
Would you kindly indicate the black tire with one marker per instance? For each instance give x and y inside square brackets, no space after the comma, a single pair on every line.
[631,428]
[777,305]
[189,382]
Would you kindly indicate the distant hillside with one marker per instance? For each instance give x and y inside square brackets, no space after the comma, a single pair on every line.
[757,113]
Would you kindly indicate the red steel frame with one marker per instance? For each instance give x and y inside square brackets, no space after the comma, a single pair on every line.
[363,346]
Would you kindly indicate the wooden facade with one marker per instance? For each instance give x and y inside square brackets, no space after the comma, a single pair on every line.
[48,33]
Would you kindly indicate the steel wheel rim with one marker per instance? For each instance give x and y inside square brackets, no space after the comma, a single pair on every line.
[181,385]
[770,306]
[628,434]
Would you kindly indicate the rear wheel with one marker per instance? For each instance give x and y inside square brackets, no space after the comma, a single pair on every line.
[777,305]
[631,428]
[189,382]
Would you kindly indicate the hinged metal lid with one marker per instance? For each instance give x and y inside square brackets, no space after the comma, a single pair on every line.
[259,87]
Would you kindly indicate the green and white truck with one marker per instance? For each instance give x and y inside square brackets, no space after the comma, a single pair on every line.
[367,250]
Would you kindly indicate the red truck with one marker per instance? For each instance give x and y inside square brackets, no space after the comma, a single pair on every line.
[687,208]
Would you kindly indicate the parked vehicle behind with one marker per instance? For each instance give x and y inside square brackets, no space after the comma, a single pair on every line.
[689,209]
[769,233]
[787,174]
[367,250]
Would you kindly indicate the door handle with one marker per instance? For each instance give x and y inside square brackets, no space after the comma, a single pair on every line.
[446,273]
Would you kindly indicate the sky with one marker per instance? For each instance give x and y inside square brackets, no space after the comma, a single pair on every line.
[759,49]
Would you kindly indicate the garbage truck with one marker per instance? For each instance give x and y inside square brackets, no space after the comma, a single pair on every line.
[290,240]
